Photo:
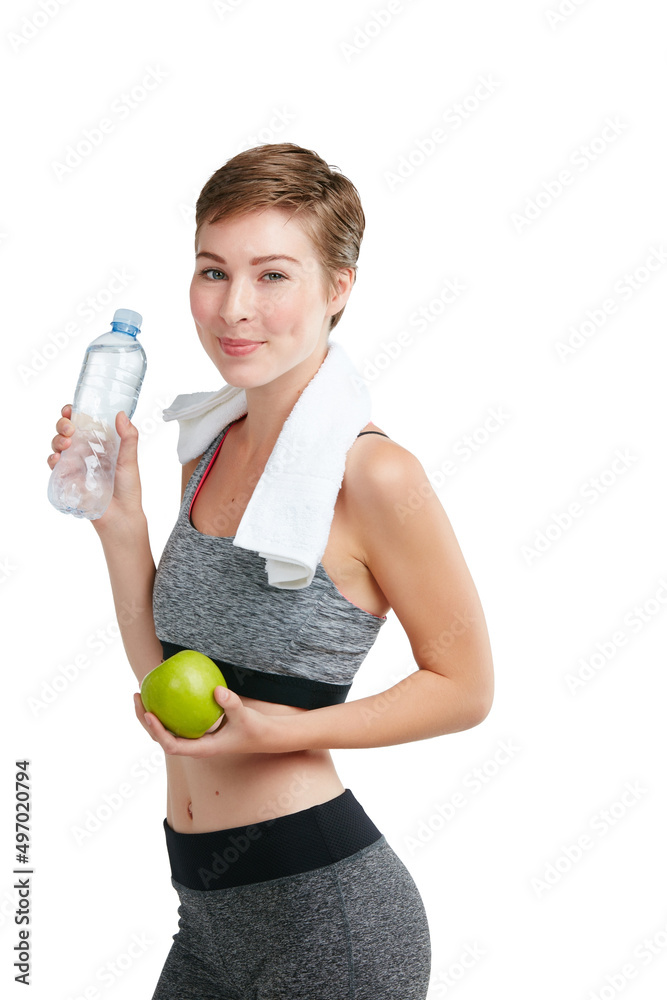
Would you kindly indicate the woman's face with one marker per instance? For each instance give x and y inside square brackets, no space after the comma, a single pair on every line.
[281,304]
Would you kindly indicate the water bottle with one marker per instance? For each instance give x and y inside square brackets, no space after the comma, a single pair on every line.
[111,375]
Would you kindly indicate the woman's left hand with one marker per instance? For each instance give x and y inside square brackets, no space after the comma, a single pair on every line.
[242,730]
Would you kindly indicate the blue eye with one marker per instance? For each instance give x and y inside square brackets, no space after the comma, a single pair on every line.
[206,271]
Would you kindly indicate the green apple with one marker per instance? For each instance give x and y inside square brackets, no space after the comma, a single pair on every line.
[180,692]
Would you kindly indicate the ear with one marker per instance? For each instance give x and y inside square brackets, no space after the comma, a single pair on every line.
[345,279]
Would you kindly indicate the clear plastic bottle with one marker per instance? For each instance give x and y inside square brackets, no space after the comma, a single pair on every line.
[111,375]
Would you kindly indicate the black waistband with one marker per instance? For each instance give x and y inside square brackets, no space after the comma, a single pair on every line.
[300,692]
[274,848]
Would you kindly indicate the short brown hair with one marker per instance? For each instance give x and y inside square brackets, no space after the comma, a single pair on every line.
[284,175]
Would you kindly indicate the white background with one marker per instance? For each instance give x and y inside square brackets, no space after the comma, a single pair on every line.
[495,875]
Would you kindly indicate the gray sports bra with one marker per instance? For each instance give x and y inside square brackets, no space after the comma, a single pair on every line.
[294,647]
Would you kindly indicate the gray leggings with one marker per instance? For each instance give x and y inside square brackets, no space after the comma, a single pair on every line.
[353,929]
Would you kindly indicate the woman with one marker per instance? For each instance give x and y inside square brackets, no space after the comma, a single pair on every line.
[286,887]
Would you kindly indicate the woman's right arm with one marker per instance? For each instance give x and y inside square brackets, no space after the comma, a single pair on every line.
[123,532]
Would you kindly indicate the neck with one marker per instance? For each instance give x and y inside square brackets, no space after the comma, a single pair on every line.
[270,405]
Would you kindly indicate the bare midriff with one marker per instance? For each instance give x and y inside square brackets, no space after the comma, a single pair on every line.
[215,793]
[230,790]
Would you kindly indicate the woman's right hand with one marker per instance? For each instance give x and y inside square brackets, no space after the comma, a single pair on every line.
[125,505]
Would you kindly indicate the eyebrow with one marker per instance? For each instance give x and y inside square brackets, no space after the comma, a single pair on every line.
[255,260]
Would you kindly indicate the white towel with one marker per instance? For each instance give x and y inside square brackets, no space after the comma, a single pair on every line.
[288,517]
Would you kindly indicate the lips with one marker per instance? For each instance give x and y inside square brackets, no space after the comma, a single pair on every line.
[236,348]
[228,342]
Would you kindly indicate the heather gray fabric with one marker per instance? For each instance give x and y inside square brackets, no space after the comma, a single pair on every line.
[352,930]
[213,596]
[355,929]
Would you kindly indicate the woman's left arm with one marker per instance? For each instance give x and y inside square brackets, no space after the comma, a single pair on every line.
[413,554]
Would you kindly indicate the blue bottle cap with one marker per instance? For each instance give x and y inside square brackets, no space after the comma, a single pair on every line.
[127,316]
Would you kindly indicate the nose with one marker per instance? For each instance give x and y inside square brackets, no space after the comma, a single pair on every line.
[237,303]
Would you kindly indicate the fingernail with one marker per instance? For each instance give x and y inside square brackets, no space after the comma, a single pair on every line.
[149,722]
[224,693]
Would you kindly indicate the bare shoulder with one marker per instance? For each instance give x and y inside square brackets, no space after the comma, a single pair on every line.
[407,543]
[378,465]
[391,500]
